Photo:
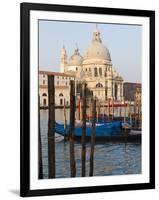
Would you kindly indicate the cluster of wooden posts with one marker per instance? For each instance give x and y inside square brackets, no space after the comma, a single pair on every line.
[83,138]
[94,114]
[51,132]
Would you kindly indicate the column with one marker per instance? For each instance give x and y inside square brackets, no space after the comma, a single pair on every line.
[118,92]
[121,91]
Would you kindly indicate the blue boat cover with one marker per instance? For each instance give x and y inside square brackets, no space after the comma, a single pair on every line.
[101,130]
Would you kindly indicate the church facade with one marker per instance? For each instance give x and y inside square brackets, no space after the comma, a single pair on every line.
[95,68]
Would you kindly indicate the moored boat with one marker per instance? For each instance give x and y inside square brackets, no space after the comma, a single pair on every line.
[135,131]
[101,129]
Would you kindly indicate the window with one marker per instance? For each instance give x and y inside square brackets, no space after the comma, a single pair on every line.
[44,75]
[105,74]
[60,95]
[66,78]
[62,77]
[90,69]
[116,90]
[100,71]
[44,94]
[95,72]
[61,102]
[57,82]
[43,82]
[66,83]
[57,77]
[86,69]
[44,102]
[76,68]
[99,85]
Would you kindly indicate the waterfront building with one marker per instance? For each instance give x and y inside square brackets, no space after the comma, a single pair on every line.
[130,90]
[62,88]
[95,68]
[138,96]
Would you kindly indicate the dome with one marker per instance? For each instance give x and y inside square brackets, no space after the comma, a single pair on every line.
[76,59]
[96,50]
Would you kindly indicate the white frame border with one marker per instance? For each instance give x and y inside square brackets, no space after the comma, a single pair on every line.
[87,181]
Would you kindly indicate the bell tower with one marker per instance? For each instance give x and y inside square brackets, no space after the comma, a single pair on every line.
[63,59]
[96,35]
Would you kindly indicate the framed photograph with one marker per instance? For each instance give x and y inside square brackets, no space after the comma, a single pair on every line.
[87,99]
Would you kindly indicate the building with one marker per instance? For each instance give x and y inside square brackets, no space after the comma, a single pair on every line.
[131,90]
[138,97]
[95,68]
[62,88]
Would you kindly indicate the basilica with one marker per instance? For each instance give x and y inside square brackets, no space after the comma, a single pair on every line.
[95,68]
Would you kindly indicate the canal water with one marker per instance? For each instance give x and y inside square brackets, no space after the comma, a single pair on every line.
[109,158]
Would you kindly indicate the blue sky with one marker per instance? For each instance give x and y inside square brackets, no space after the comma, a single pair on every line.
[123,42]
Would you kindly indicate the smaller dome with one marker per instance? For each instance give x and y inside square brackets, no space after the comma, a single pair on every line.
[119,78]
[76,59]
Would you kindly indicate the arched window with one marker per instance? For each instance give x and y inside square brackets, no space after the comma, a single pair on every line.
[116,90]
[95,72]
[105,73]
[44,102]
[99,85]
[61,102]
[60,95]
[100,71]
[44,95]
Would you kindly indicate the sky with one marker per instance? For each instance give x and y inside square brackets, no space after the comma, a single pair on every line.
[124,43]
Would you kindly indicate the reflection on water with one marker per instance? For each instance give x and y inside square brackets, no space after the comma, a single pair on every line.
[109,158]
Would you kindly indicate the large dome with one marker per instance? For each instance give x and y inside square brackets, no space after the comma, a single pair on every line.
[76,59]
[96,50]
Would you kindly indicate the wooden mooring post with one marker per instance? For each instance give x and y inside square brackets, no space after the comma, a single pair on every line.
[125,112]
[83,139]
[138,114]
[79,107]
[51,127]
[135,124]
[108,109]
[90,112]
[130,114]
[92,138]
[112,108]
[72,125]
[40,163]
[97,109]
[120,112]
[65,120]
[103,110]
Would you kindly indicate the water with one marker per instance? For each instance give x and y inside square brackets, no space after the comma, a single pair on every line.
[109,158]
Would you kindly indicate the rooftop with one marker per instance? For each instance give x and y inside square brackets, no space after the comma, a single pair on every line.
[55,73]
